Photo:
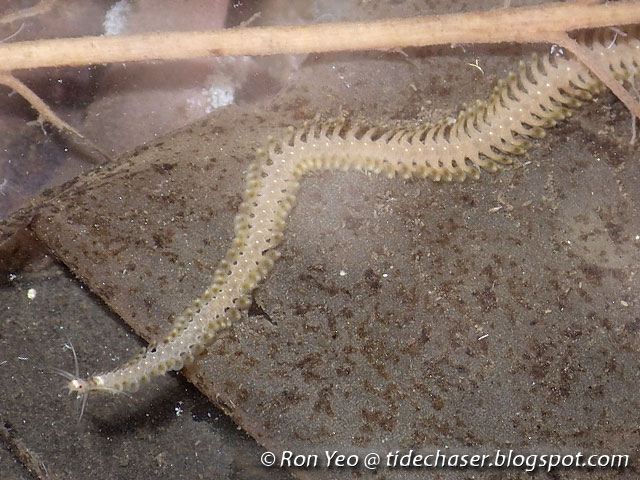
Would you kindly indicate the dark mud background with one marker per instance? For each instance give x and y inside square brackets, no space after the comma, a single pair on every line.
[498,314]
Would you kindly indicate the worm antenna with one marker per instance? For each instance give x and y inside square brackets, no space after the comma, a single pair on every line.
[83,403]
[76,367]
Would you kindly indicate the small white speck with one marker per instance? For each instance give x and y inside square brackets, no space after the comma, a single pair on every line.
[483,336]
[31,293]
[623,303]
[342,273]
[385,275]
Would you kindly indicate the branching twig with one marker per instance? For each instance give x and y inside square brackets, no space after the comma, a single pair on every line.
[45,114]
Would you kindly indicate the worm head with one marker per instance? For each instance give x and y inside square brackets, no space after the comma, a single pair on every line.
[78,385]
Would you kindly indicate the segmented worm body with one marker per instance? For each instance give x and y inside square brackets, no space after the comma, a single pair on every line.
[483,137]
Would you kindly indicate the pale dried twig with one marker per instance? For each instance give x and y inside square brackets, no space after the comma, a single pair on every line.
[519,25]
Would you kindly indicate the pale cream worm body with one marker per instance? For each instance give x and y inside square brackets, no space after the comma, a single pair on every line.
[482,137]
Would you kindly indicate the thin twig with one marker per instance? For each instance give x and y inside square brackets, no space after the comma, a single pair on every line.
[45,114]
[23,453]
[14,34]
[599,70]
[42,7]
